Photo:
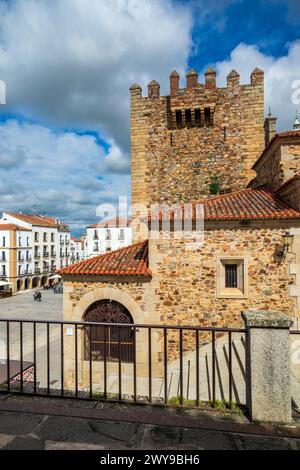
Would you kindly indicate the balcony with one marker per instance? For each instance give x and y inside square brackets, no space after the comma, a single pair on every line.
[37,271]
[21,259]
[53,255]
[67,242]
[27,272]
[46,254]
[3,260]
[61,242]
[37,255]
[28,259]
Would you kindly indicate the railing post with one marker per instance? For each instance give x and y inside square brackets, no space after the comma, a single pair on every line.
[268,366]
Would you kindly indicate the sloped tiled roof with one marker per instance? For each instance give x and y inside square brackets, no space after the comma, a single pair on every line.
[247,204]
[38,220]
[129,261]
[281,135]
[13,227]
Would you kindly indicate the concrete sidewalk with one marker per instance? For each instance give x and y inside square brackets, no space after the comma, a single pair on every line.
[42,423]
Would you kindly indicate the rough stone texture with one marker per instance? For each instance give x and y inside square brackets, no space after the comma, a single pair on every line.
[267,319]
[171,164]
[183,285]
[291,193]
[268,366]
[295,269]
[279,163]
[183,292]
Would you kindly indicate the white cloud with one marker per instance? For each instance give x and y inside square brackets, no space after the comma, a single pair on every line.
[58,172]
[71,62]
[280,73]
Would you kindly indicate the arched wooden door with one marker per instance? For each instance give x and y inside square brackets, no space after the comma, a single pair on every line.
[112,343]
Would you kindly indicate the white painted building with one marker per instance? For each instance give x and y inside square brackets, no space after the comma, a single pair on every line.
[43,246]
[77,249]
[15,256]
[107,236]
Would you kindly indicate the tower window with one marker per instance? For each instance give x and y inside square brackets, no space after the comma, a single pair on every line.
[188,117]
[197,117]
[207,116]
[179,119]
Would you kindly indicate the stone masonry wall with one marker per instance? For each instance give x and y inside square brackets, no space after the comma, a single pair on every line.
[170,164]
[186,278]
[182,291]
[183,285]
[280,163]
[290,193]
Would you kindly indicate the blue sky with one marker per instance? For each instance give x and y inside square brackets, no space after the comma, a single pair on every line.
[270,25]
[64,131]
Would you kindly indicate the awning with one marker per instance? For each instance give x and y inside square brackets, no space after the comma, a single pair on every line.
[56,276]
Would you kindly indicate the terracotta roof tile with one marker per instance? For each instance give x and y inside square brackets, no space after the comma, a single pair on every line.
[14,227]
[247,204]
[38,220]
[129,261]
[281,135]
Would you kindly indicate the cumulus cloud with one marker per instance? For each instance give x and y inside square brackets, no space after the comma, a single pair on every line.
[68,64]
[71,62]
[280,75]
[58,172]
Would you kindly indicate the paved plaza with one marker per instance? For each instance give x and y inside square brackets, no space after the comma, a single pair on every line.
[22,306]
[60,424]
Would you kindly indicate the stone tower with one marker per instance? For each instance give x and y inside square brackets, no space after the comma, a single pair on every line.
[296,125]
[270,127]
[182,142]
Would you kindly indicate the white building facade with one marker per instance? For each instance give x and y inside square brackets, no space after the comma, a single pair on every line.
[41,245]
[77,249]
[16,265]
[108,236]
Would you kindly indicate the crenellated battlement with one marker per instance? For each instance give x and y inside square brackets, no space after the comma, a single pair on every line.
[184,139]
[193,85]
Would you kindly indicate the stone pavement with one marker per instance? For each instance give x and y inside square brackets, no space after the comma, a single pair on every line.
[22,306]
[76,425]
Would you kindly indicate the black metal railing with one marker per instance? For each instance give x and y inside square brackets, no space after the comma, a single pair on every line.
[154,364]
[295,355]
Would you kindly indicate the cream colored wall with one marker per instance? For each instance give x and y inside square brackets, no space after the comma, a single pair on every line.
[295,269]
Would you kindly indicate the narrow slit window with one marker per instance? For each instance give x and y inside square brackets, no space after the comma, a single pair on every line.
[178,119]
[188,117]
[207,116]
[198,117]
